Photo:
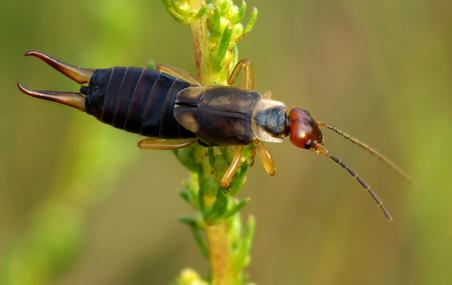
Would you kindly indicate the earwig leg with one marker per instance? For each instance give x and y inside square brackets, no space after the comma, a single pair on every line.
[266,158]
[267,94]
[248,84]
[177,72]
[232,169]
[248,76]
[80,75]
[164,144]
[67,98]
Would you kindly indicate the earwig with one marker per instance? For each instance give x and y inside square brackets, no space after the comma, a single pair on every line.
[173,110]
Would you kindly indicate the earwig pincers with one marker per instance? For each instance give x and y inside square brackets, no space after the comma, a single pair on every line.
[174,110]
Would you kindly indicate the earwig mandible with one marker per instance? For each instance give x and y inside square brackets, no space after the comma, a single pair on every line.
[173,110]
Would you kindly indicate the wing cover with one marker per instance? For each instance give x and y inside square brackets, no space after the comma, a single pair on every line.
[218,115]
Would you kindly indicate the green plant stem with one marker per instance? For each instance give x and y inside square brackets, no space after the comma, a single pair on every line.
[216,27]
[200,44]
[219,255]
[217,238]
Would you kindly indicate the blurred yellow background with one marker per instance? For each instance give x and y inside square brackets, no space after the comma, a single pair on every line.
[80,204]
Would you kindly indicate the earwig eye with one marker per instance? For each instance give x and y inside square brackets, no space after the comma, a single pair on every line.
[308,144]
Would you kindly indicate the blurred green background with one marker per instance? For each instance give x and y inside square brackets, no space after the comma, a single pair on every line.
[80,204]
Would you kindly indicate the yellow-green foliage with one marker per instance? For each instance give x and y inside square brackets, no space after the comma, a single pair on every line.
[216,28]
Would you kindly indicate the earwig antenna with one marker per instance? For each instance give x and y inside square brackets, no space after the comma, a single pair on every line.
[322,150]
[372,151]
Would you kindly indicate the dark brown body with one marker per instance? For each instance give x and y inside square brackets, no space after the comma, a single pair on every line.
[155,104]
[219,115]
[138,100]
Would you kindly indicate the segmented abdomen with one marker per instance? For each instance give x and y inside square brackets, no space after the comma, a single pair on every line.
[138,100]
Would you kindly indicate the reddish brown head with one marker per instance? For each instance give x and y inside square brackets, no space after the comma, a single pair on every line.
[304,130]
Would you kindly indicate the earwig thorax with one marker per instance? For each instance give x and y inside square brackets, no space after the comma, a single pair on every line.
[270,121]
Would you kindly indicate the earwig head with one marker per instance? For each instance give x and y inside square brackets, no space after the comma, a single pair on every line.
[304,130]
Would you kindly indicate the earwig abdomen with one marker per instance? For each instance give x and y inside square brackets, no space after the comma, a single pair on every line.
[138,100]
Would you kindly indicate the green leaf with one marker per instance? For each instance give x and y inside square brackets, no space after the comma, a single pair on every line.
[185,195]
[222,48]
[196,231]
[242,12]
[202,12]
[240,176]
[243,257]
[170,7]
[218,209]
[216,22]
[187,157]
[188,220]
[237,207]
[151,64]
[251,22]
[225,6]
[189,277]
[190,191]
